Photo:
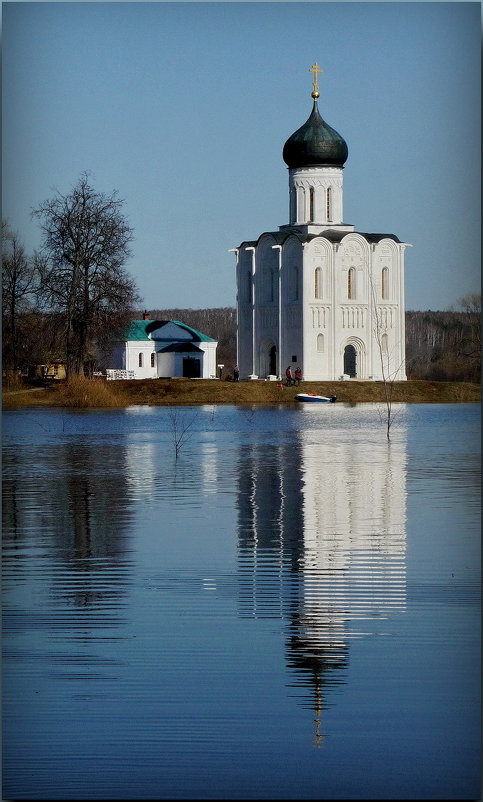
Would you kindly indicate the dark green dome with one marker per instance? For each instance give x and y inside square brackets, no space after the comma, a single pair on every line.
[315,143]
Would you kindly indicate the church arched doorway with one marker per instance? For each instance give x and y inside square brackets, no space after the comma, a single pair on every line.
[350,361]
[273,360]
[268,358]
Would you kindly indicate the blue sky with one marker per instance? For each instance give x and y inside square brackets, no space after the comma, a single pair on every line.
[183,108]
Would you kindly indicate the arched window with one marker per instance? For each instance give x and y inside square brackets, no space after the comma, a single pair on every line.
[140,360]
[384,344]
[320,343]
[385,283]
[311,205]
[351,283]
[329,204]
[318,283]
[152,359]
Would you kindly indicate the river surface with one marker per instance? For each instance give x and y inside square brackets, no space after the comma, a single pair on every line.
[290,609]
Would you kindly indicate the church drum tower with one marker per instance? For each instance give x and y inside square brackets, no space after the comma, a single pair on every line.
[316,293]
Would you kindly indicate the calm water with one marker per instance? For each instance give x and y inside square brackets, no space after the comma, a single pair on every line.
[289,610]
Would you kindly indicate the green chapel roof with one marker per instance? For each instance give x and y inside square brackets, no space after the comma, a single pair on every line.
[139,330]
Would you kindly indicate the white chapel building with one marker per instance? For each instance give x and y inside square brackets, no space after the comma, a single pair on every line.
[316,293]
[155,349]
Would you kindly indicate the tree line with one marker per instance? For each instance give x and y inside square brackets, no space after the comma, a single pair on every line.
[71,300]
[445,346]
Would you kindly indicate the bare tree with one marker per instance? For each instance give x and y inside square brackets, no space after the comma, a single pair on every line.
[85,245]
[18,289]
[388,375]
[180,428]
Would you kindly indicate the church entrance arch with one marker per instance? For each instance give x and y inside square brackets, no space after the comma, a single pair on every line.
[273,360]
[350,360]
[354,354]
[268,358]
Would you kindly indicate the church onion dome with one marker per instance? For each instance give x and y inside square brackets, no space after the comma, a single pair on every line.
[315,143]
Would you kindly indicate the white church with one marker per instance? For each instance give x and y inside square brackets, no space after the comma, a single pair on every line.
[316,293]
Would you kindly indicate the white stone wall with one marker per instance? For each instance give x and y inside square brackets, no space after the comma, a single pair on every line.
[209,359]
[170,364]
[145,348]
[245,313]
[331,295]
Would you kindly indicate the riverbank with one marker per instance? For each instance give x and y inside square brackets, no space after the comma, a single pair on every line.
[84,393]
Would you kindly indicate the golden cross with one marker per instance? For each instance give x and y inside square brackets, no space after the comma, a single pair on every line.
[315,69]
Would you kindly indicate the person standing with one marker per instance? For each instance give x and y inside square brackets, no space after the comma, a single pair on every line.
[288,374]
[298,375]
[236,373]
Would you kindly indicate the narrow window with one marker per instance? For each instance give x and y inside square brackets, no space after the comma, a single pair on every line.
[351,283]
[311,204]
[317,283]
[293,205]
[385,283]
[140,360]
[271,284]
[152,360]
[329,204]
[384,346]
[320,343]
[249,286]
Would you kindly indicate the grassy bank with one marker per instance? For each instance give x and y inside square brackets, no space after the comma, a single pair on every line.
[94,394]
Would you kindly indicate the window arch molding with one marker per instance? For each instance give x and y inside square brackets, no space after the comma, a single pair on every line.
[360,353]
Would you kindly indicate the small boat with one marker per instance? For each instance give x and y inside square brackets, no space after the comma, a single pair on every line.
[314,397]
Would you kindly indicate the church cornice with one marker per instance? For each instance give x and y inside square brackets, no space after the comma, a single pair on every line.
[332,235]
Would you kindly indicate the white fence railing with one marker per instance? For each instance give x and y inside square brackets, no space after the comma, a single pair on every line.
[115,375]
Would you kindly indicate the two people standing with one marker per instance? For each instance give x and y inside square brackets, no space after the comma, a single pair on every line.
[296,378]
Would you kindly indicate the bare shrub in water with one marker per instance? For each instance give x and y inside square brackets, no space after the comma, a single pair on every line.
[180,428]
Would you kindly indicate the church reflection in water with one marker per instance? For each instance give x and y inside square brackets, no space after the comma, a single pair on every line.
[321,545]
[81,519]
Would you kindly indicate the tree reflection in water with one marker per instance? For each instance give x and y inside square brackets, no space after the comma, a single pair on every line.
[81,520]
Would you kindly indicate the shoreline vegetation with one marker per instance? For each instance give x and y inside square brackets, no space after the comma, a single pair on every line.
[83,393]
